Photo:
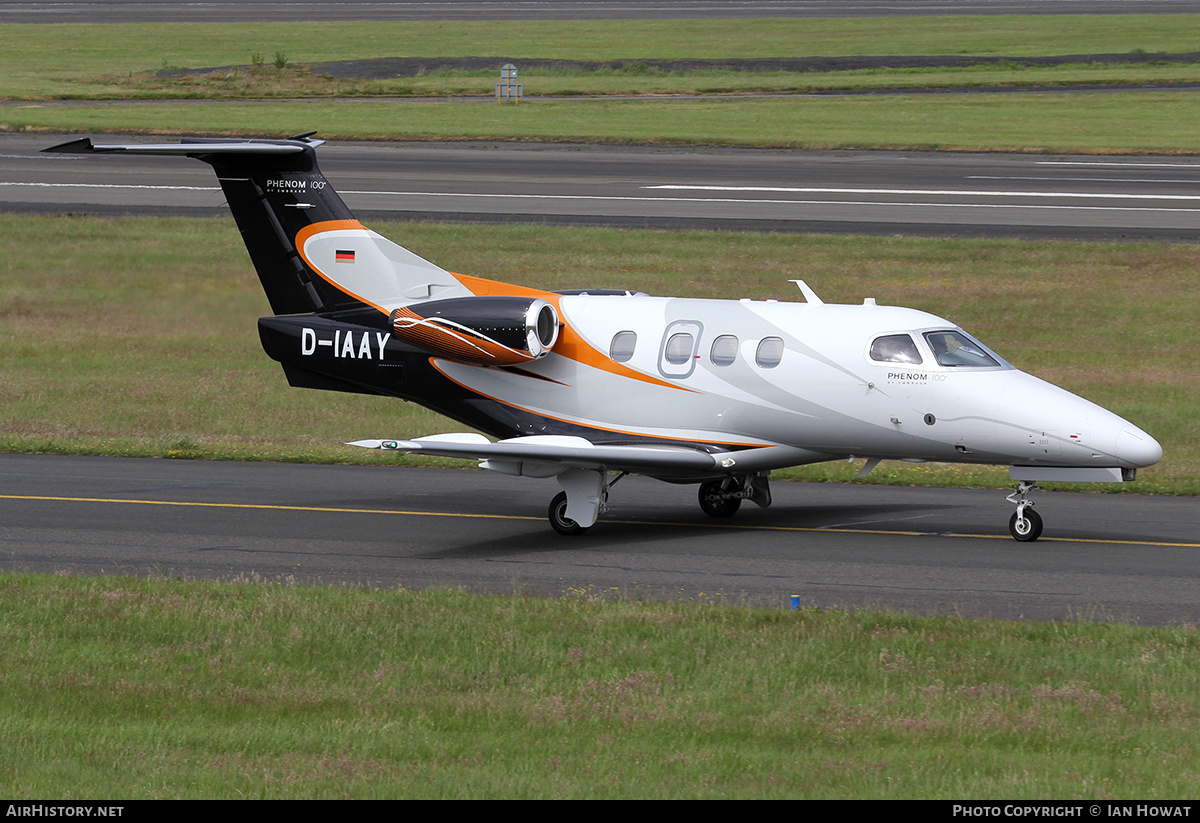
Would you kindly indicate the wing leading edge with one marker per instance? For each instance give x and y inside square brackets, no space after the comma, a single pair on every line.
[579,464]
[549,455]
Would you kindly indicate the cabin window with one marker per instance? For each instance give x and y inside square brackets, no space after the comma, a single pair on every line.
[770,352]
[677,356]
[895,348]
[623,344]
[955,349]
[679,348]
[724,350]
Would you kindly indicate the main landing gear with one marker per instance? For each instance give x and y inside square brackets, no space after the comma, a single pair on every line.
[590,489]
[558,517]
[722,498]
[1025,524]
[718,498]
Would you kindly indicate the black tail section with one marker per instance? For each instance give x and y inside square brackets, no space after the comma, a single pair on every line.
[335,282]
[272,202]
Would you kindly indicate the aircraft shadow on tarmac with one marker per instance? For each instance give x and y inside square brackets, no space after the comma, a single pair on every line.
[665,528]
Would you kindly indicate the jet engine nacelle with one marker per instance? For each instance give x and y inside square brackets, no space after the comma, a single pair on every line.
[484,331]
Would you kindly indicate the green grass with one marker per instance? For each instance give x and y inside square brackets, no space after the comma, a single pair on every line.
[137,336]
[120,65]
[1152,122]
[129,689]
[48,59]
[538,83]
[1145,122]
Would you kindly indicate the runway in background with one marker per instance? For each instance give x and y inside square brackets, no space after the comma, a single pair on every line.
[847,192]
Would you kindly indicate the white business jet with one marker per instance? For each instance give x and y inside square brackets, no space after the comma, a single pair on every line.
[577,385]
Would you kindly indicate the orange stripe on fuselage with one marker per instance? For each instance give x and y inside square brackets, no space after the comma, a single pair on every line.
[570,343]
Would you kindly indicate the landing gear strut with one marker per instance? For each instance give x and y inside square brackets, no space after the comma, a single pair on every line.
[1025,524]
[591,487]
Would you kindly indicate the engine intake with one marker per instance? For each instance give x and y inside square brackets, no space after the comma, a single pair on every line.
[484,331]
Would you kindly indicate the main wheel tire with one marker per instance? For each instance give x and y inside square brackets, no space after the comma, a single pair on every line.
[714,504]
[558,517]
[1027,528]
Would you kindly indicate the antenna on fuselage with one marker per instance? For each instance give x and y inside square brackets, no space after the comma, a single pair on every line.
[810,296]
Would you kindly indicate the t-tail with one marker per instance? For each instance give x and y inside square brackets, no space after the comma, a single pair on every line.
[349,304]
[310,252]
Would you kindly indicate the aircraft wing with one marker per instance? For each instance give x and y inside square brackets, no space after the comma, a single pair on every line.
[548,455]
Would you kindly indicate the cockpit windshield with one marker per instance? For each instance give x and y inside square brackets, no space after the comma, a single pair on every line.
[955,349]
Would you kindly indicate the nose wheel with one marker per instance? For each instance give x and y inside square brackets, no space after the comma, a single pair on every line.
[1025,525]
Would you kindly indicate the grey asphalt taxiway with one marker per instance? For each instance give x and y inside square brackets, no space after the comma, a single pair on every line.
[922,550]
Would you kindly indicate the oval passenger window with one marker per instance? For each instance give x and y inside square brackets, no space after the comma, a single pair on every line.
[770,352]
[623,344]
[724,350]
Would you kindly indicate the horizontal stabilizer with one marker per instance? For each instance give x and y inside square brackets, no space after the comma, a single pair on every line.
[187,148]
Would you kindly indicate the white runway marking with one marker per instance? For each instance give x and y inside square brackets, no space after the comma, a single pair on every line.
[935,192]
[1118,164]
[110,186]
[740,200]
[766,201]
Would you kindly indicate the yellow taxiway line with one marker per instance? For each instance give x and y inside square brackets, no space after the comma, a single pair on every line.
[328,509]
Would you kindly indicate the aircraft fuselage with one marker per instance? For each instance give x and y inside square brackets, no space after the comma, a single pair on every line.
[736,375]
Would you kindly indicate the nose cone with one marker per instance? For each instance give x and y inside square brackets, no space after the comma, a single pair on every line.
[1136,449]
[1063,429]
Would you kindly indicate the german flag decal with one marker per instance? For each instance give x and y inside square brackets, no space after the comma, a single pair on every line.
[344,255]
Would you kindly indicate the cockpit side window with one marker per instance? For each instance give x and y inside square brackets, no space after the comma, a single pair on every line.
[954,349]
[895,348]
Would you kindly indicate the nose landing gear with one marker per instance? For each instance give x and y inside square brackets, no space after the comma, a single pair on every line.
[1025,525]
